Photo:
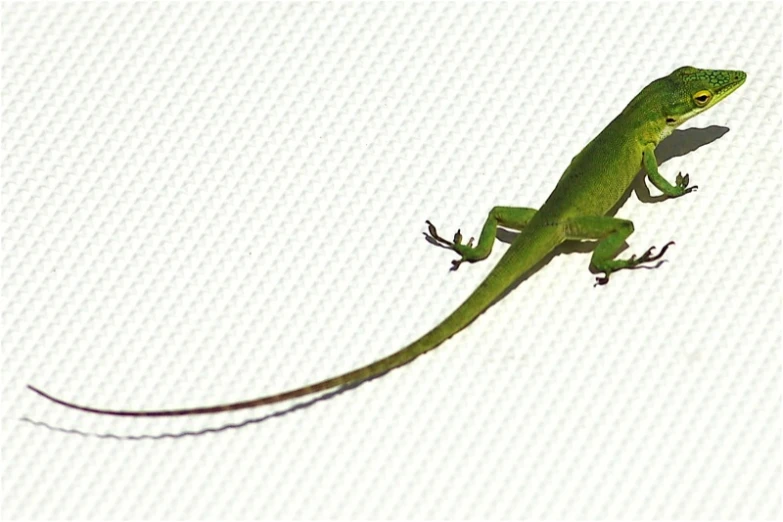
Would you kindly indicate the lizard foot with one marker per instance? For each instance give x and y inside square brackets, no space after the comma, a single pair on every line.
[455,245]
[682,184]
[435,238]
[648,256]
[634,262]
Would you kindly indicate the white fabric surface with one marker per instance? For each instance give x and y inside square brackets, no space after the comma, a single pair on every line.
[205,203]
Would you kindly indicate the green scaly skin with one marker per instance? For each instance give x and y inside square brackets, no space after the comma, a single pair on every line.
[591,186]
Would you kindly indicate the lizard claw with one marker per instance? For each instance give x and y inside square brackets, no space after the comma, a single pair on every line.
[434,236]
[456,245]
[681,183]
[647,256]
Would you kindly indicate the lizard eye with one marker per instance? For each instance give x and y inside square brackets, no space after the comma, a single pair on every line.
[702,98]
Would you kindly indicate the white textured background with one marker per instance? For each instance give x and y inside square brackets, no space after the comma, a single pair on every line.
[204,203]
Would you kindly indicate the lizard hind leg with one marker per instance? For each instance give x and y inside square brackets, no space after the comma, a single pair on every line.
[515,218]
[611,234]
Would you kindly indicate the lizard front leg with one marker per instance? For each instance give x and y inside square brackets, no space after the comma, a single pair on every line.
[611,233]
[515,218]
[651,167]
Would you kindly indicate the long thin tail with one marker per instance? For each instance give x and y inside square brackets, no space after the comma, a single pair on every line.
[499,279]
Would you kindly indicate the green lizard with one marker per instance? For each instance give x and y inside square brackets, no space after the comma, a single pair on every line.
[594,182]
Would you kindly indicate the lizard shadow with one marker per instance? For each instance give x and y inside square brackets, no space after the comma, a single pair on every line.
[204,431]
[680,143]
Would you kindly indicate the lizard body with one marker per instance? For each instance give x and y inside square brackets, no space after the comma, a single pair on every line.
[594,182]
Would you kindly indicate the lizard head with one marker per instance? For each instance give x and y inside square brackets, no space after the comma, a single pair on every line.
[691,91]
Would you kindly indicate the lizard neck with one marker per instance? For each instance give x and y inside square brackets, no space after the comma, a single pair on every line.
[644,118]
[645,125]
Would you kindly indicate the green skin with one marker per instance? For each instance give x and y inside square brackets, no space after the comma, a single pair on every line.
[594,182]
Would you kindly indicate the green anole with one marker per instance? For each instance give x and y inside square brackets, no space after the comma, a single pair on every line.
[577,208]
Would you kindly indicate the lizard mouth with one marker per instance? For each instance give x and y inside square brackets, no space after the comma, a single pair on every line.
[738,78]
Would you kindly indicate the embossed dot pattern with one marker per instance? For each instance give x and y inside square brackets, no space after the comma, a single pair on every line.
[210,202]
